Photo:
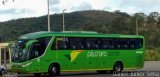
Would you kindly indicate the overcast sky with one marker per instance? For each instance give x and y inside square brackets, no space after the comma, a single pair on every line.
[35,8]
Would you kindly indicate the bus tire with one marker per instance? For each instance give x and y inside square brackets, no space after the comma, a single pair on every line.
[37,74]
[54,70]
[118,67]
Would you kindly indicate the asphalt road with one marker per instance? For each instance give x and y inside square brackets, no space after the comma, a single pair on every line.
[151,69]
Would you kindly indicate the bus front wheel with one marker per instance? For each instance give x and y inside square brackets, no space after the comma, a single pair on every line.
[118,67]
[54,70]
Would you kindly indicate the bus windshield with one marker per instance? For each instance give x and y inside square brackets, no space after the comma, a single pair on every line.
[19,52]
[24,50]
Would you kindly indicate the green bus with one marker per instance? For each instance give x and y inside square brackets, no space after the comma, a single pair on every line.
[55,52]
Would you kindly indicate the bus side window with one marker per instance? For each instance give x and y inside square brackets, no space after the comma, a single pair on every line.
[54,46]
[132,43]
[135,43]
[122,43]
[141,43]
[38,48]
[92,43]
[107,43]
[62,44]
[118,46]
[104,44]
[76,43]
[138,43]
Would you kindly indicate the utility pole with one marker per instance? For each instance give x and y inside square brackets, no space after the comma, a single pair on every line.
[48,17]
[63,19]
[137,26]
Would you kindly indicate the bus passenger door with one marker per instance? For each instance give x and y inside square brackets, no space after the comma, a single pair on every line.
[38,50]
[32,47]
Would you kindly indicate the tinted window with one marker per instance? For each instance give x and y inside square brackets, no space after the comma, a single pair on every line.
[122,43]
[39,47]
[92,43]
[107,44]
[76,43]
[131,43]
[136,43]
[62,43]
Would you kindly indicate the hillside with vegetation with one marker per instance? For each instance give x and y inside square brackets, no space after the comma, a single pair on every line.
[91,20]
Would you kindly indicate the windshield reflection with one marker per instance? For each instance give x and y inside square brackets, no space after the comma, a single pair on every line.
[19,52]
[23,50]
